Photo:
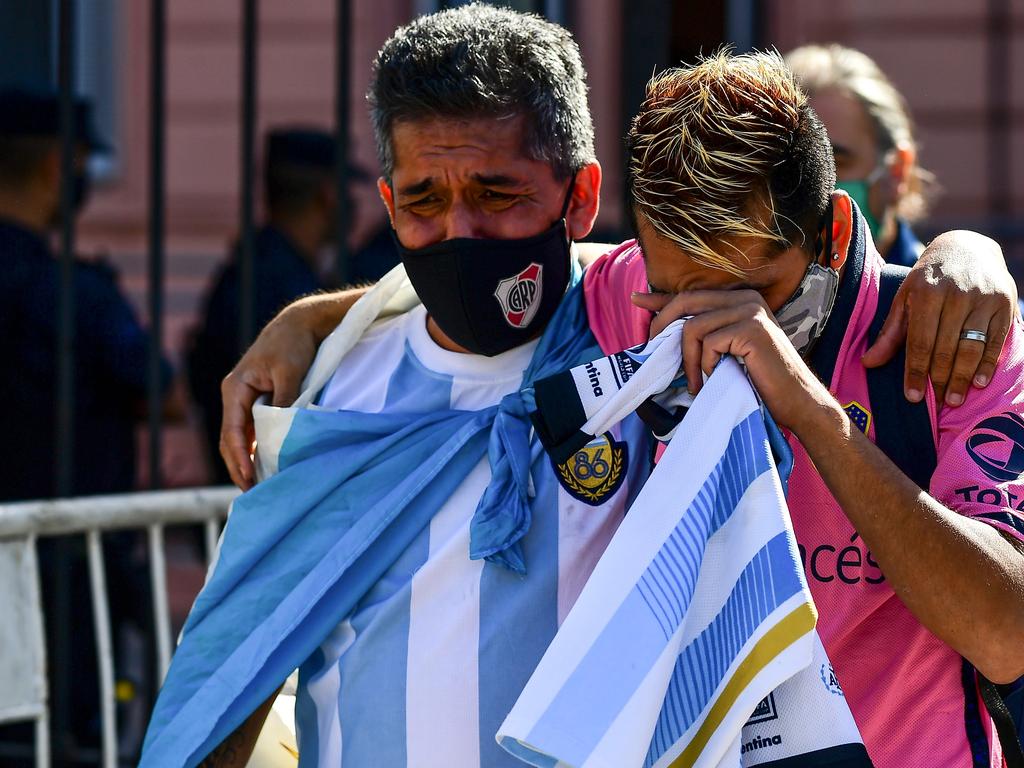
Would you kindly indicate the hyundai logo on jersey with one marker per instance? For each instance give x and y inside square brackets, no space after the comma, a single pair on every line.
[997,446]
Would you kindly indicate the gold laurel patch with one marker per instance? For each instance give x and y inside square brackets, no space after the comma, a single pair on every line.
[595,471]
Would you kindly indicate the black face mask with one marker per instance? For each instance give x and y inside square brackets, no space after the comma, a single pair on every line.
[488,295]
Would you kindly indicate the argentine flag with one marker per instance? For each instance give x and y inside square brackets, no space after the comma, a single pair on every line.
[343,494]
[696,612]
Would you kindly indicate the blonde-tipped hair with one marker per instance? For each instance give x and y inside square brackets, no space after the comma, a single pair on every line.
[722,150]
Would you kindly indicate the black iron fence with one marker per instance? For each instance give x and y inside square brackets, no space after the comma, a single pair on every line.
[67,11]
[1002,223]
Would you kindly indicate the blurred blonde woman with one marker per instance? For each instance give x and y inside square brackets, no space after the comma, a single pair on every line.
[873,141]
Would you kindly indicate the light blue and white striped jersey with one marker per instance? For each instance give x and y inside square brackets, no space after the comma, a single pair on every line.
[431,661]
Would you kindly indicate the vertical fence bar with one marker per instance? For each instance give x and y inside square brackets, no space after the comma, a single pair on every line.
[43,740]
[247,315]
[998,123]
[211,530]
[161,610]
[42,721]
[342,51]
[741,24]
[554,10]
[65,405]
[104,649]
[157,30]
[65,438]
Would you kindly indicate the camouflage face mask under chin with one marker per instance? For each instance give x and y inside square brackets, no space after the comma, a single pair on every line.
[803,317]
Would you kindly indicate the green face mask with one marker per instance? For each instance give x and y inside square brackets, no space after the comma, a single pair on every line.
[858,190]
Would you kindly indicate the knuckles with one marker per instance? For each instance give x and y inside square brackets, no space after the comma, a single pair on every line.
[942,360]
[917,348]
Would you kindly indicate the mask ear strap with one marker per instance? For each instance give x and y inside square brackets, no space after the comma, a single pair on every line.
[825,244]
[568,197]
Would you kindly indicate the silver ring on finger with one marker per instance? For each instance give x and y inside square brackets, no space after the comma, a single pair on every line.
[969,335]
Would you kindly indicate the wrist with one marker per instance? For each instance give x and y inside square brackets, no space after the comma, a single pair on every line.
[822,422]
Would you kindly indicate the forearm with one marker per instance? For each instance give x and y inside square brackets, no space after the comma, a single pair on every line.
[960,577]
[236,749]
[320,313]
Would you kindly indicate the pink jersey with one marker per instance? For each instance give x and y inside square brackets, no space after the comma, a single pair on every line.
[906,688]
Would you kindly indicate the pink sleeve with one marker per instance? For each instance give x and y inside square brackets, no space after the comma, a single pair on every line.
[980,446]
[607,286]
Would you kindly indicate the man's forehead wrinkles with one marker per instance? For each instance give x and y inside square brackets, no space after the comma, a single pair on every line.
[418,187]
[440,147]
[500,179]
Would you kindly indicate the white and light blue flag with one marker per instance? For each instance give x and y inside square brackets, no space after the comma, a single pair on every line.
[697,611]
[347,493]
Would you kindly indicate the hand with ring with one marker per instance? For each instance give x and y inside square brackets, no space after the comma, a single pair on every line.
[958,292]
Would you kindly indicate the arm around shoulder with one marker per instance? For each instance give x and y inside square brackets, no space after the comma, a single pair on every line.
[236,749]
[275,365]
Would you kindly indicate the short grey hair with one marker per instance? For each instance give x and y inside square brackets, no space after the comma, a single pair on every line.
[822,67]
[483,61]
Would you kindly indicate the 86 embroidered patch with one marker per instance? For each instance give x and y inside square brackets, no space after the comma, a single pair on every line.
[595,471]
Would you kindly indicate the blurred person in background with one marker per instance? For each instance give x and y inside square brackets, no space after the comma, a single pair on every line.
[300,196]
[873,141]
[110,368]
[375,258]
[110,344]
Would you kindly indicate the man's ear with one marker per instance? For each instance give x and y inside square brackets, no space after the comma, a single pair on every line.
[842,227]
[388,197]
[584,201]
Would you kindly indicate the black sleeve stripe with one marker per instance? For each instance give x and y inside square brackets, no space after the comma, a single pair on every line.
[1007,518]
[841,756]
[973,728]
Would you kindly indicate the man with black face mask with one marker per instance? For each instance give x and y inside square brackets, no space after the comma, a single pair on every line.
[485,196]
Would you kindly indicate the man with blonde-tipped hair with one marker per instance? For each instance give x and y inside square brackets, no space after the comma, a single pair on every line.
[916,580]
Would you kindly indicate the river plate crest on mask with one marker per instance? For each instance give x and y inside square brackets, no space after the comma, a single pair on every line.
[520,295]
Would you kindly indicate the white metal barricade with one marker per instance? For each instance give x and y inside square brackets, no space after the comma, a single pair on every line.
[23,683]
